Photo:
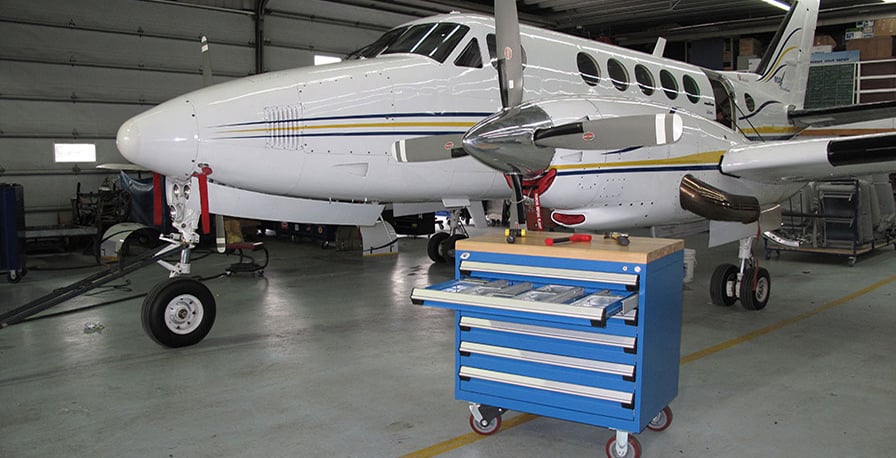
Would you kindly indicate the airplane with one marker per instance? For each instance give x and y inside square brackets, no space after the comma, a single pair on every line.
[409,121]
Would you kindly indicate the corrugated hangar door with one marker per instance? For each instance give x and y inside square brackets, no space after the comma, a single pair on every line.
[72,72]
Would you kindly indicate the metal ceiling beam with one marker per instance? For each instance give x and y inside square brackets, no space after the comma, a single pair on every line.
[830,17]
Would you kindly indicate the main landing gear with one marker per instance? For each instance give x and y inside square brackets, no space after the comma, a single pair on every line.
[750,283]
[179,311]
[440,247]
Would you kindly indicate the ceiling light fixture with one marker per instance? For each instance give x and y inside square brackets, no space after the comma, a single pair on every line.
[779,4]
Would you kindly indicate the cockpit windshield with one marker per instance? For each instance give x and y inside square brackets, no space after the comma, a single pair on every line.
[435,41]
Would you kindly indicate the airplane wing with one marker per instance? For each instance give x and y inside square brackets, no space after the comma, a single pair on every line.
[814,159]
[823,117]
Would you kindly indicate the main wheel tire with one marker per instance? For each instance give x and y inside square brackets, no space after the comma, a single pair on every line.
[448,245]
[434,246]
[178,312]
[661,421]
[722,284]
[634,448]
[486,430]
[755,298]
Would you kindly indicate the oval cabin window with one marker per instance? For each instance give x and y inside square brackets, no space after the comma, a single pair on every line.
[751,104]
[588,69]
[691,88]
[644,79]
[618,74]
[670,86]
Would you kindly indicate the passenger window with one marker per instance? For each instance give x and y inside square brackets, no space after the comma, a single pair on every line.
[691,88]
[588,69]
[751,104]
[618,74]
[470,57]
[644,79]
[670,86]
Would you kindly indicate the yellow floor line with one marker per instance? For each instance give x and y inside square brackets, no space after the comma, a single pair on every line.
[466,439]
[469,438]
[774,327]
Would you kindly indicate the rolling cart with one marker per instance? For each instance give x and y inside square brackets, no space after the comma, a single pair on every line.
[582,331]
[12,232]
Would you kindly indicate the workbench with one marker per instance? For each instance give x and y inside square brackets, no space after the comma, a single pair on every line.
[582,331]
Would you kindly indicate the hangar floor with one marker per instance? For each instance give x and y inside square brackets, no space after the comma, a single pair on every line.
[326,356]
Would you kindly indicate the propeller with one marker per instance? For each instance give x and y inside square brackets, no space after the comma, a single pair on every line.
[220,234]
[510,64]
[428,148]
[613,133]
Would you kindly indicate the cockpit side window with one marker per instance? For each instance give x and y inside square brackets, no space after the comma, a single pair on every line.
[470,57]
[436,41]
[381,44]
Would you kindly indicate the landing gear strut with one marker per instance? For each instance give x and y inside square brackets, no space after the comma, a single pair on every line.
[440,247]
[179,311]
[750,283]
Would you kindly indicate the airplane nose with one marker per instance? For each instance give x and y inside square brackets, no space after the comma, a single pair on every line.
[128,140]
[164,139]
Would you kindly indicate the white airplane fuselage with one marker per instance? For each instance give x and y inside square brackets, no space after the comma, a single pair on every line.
[327,133]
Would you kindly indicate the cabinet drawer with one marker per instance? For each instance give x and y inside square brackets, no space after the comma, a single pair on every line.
[593,305]
[624,370]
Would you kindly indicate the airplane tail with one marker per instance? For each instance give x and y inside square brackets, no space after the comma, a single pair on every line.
[785,66]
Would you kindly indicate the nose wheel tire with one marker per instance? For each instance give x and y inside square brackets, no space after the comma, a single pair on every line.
[178,312]
[755,298]
[722,285]
[487,429]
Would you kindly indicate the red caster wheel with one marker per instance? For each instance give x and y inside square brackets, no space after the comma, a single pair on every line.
[633,450]
[661,421]
[487,429]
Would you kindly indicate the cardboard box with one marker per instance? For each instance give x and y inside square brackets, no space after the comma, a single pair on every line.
[875,48]
[825,40]
[885,27]
[857,34]
[750,47]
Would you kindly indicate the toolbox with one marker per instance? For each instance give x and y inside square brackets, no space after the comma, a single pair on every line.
[582,331]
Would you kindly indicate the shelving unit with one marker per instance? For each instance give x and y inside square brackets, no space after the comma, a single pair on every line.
[834,217]
[586,331]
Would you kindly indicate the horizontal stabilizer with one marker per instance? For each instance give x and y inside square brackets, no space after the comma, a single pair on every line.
[613,133]
[428,148]
[823,117]
[813,159]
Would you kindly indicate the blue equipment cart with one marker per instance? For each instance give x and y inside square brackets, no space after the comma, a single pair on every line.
[582,331]
[12,231]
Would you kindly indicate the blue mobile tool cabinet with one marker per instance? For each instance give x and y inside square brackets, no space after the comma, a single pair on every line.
[12,231]
[584,331]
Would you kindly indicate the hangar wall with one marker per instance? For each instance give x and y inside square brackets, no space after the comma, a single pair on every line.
[72,72]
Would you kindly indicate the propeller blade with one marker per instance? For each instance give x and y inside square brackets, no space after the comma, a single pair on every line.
[220,234]
[510,56]
[429,148]
[613,133]
[206,63]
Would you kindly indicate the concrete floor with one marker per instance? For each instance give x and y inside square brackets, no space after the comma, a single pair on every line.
[326,356]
